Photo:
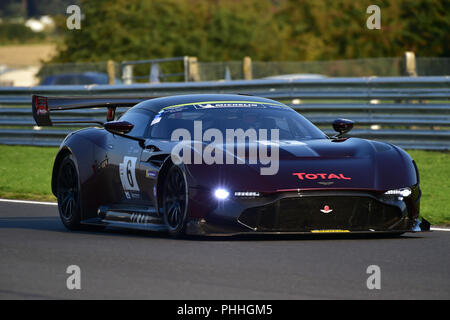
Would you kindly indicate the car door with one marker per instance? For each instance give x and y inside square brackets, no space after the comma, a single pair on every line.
[124,154]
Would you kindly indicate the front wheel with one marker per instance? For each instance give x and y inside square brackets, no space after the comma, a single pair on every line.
[175,200]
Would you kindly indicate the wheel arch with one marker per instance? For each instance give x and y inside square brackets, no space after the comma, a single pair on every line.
[167,164]
[62,153]
[160,182]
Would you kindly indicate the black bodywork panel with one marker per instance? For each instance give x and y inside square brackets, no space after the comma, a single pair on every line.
[121,180]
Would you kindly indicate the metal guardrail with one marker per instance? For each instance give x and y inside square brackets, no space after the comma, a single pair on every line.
[412,112]
[154,72]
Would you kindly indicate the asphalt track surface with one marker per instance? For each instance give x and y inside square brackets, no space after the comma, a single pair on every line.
[36,249]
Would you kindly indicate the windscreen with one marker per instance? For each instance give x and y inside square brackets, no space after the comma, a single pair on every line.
[234,115]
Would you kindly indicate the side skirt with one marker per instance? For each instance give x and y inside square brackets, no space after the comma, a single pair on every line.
[128,217]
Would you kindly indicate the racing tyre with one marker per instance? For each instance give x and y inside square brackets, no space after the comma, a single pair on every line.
[68,194]
[175,201]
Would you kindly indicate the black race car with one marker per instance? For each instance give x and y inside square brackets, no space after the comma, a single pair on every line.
[226,165]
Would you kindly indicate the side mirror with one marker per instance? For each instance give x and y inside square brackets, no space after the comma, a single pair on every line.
[342,126]
[122,127]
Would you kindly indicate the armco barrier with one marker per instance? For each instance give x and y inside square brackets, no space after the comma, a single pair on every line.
[412,112]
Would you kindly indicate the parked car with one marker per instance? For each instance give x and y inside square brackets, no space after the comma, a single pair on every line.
[296,76]
[78,79]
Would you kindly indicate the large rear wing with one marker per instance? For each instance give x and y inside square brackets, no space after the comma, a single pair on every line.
[43,107]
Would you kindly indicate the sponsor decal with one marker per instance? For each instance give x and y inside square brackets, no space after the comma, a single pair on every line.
[223,104]
[323,176]
[326,209]
[228,105]
[150,174]
[135,195]
[103,164]
[41,106]
[215,105]
[156,119]
[325,183]
[41,110]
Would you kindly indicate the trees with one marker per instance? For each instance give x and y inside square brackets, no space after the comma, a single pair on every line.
[219,30]
[210,30]
[336,29]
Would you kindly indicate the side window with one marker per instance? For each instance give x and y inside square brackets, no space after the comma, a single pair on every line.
[281,123]
[141,119]
[169,122]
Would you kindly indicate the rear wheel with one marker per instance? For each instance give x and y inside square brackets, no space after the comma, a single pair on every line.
[175,201]
[68,194]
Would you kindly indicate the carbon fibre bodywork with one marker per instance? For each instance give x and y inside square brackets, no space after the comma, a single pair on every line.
[322,185]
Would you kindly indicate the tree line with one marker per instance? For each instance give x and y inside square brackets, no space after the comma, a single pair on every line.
[266,30]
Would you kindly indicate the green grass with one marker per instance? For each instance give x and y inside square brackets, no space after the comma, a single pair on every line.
[25,173]
[434,171]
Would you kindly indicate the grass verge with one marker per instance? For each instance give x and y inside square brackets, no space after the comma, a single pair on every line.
[25,173]
[434,171]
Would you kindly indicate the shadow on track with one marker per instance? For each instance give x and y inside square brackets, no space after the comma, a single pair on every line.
[54,224]
[303,237]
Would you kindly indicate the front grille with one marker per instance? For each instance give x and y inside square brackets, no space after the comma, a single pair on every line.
[303,214]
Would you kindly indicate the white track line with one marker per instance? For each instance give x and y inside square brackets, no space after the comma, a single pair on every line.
[55,204]
[439,229]
[29,202]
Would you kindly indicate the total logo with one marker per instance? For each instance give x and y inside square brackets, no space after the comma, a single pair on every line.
[323,176]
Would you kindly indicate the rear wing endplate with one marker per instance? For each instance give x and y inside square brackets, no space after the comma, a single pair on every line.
[43,107]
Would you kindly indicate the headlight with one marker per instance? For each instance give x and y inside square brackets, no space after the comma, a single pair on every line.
[221,194]
[246,194]
[402,192]
[399,193]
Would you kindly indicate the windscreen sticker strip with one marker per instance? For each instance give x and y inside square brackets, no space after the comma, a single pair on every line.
[214,105]
[225,104]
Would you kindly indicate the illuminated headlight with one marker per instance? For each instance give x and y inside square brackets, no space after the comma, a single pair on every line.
[403,192]
[221,194]
[246,194]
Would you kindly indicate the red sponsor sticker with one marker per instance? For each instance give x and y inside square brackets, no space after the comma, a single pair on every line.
[41,106]
[321,176]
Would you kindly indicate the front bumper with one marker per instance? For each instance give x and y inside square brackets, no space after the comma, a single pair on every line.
[301,213]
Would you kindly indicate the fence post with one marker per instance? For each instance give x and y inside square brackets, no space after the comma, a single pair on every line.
[155,73]
[227,76]
[247,68]
[193,69]
[186,68]
[409,63]
[110,69]
[127,74]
